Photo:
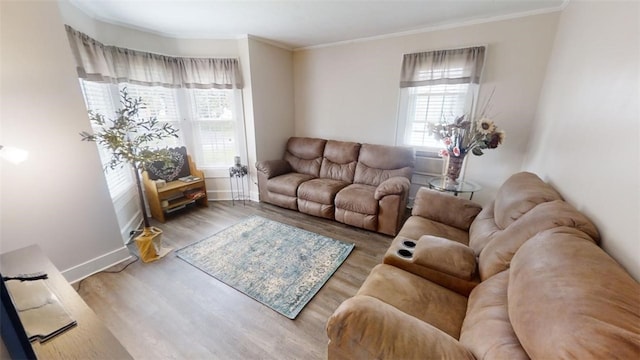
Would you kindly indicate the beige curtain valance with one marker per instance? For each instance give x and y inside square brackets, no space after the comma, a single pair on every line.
[102,63]
[456,66]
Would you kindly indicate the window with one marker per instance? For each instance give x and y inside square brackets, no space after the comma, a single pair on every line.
[217,132]
[431,104]
[209,121]
[99,98]
[161,103]
[435,87]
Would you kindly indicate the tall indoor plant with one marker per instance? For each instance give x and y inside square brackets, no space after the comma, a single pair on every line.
[130,139]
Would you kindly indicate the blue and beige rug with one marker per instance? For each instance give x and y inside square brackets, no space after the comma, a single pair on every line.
[278,265]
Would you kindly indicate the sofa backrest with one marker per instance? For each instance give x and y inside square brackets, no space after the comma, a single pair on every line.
[305,154]
[339,160]
[569,299]
[377,163]
[497,254]
[519,194]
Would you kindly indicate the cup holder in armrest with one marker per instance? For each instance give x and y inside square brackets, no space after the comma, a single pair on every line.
[405,253]
[410,244]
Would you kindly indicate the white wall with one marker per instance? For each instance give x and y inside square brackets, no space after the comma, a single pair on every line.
[268,100]
[586,142]
[350,91]
[272,83]
[58,198]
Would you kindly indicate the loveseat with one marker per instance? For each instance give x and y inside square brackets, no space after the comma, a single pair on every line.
[363,185]
[522,278]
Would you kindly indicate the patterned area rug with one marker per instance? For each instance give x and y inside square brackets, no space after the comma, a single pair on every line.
[278,265]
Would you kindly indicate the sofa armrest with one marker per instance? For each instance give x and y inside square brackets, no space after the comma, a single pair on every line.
[273,168]
[447,256]
[364,327]
[446,209]
[396,185]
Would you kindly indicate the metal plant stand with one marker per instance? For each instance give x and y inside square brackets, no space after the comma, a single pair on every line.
[238,172]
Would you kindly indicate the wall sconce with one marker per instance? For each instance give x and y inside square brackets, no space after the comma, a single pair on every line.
[13,154]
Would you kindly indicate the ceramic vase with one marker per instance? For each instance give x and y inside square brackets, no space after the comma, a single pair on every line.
[454,166]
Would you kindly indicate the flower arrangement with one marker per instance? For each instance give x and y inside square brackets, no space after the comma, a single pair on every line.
[464,136]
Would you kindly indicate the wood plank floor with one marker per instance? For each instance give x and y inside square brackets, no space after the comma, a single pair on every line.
[171,310]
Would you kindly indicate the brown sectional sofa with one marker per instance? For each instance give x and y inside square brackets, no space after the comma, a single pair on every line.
[362,185]
[521,278]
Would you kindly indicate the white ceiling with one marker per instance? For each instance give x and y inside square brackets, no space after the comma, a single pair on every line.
[301,23]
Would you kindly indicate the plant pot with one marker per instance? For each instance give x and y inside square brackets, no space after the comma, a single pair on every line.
[149,244]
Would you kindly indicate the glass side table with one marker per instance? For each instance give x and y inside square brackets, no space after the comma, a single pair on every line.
[238,173]
[441,183]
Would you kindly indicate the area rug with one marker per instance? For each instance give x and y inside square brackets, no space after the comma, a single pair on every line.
[279,265]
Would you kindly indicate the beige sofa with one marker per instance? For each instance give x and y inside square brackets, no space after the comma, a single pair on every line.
[362,185]
[522,278]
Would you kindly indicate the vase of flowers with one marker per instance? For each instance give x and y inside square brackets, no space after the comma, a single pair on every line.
[462,137]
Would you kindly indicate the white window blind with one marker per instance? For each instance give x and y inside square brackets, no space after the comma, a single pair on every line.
[215,127]
[432,104]
[98,98]
[161,103]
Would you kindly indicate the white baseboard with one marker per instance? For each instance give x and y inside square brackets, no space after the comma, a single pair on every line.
[96,265]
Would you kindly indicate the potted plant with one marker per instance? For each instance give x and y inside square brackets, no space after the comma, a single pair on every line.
[130,138]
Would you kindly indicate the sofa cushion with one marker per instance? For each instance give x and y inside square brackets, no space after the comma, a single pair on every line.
[420,298]
[416,226]
[305,155]
[377,163]
[357,198]
[287,184]
[339,160]
[519,194]
[322,191]
[569,299]
[497,255]
[486,330]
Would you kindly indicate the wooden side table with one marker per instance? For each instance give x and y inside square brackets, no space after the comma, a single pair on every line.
[90,338]
[441,183]
[175,194]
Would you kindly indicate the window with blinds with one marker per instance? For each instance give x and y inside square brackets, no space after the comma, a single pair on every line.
[432,104]
[214,126]
[436,86]
[161,103]
[210,121]
[99,98]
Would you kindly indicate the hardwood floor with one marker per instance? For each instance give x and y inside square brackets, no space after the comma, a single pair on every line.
[171,310]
